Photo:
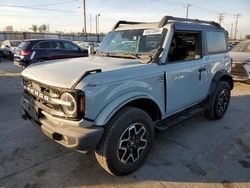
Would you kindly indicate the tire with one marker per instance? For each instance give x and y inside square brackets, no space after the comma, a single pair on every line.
[11,56]
[115,152]
[219,101]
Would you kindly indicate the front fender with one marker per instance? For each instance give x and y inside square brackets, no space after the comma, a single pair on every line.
[110,109]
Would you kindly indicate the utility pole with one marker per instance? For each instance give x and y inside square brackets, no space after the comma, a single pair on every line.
[221,17]
[84,17]
[97,26]
[187,13]
[90,22]
[231,31]
[237,16]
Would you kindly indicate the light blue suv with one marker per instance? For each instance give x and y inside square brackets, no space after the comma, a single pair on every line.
[145,76]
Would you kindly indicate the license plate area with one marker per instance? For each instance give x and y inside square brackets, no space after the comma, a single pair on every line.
[33,111]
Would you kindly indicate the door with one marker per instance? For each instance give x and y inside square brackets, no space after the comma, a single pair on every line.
[6,48]
[187,81]
[72,50]
[41,52]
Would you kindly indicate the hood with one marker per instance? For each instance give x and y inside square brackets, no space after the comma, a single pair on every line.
[65,73]
[240,57]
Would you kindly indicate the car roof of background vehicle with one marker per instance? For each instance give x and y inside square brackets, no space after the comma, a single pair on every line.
[48,39]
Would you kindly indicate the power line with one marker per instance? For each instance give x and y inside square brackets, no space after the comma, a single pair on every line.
[43,9]
[59,3]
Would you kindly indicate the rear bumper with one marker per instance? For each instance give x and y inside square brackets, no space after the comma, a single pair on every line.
[19,64]
[241,79]
[65,132]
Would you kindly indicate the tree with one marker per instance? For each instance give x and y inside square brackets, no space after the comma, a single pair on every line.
[43,28]
[247,37]
[34,28]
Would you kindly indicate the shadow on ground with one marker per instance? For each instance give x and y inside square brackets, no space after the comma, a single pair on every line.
[198,152]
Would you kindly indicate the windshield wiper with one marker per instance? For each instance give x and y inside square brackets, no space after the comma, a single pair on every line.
[120,54]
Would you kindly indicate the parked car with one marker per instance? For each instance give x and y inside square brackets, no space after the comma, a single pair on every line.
[240,55]
[8,48]
[86,45]
[36,50]
[146,76]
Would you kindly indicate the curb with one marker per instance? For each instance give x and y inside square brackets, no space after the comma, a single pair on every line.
[9,74]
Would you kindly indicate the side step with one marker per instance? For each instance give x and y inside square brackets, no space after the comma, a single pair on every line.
[179,117]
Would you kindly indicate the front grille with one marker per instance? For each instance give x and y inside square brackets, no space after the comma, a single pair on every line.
[41,93]
[239,70]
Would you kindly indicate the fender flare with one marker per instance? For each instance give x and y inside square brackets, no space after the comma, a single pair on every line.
[107,113]
[220,75]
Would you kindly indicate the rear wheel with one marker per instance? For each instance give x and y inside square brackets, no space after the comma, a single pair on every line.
[219,101]
[126,142]
[11,56]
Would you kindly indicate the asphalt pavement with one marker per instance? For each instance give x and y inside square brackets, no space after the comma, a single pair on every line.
[196,153]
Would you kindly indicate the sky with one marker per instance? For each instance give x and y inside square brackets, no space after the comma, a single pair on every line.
[67,15]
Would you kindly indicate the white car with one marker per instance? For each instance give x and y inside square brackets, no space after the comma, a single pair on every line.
[86,45]
[8,48]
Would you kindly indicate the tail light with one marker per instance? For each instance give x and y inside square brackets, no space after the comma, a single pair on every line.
[24,53]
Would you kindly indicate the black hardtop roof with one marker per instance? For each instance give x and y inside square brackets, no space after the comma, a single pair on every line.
[180,22]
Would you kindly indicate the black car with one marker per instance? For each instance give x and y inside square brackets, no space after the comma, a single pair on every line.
[37,50]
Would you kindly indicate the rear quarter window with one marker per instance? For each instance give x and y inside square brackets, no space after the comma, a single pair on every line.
[24,45]
[216,42]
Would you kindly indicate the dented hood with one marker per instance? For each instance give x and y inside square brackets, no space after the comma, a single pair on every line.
[65,73]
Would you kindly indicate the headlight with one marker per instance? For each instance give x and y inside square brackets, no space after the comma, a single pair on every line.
[70,106]
[247,66]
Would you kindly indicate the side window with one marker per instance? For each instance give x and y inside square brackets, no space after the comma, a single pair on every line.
[185,46]
[43,45]
[56,45]
[216,42]
[69,46]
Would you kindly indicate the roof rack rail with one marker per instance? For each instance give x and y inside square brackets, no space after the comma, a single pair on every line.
[124,22]
[166,20]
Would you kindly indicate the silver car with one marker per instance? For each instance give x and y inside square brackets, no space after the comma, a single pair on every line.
[240,55]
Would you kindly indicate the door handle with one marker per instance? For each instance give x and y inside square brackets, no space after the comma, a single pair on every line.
[203,69]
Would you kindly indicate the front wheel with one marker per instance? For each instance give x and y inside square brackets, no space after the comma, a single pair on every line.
[126,141]
[219,101]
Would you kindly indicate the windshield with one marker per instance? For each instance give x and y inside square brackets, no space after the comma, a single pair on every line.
[140,41]
[15,43]
[242,47]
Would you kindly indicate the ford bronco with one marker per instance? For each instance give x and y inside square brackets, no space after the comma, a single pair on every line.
[145,76]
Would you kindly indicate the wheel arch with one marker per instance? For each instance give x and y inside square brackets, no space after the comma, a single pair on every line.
[142,102]
[221,75]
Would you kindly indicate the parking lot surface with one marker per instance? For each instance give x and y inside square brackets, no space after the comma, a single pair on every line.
[196,153]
